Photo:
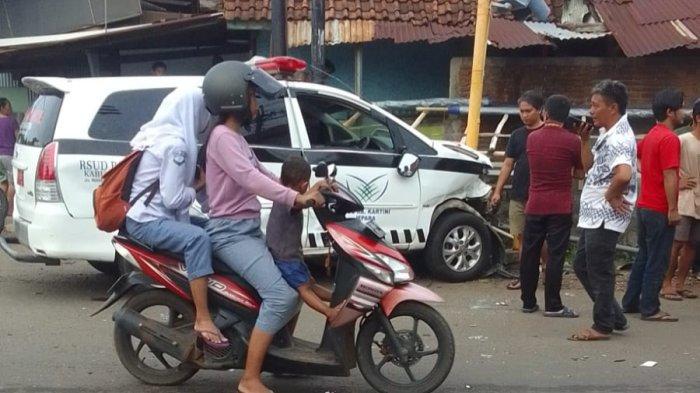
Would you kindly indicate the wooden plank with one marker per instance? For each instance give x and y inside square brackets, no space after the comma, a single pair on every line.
[499,128]
[419,119]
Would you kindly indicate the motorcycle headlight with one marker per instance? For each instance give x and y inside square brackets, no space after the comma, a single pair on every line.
[383,275]
[402,272]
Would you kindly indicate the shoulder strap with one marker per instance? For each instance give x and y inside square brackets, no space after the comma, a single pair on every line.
[152,188]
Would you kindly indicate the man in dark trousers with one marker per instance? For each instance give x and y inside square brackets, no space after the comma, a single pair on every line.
[554,154]
[606,205]
[659,155]
[530,110]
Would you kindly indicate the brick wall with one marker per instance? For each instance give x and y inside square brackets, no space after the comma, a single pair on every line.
[507,77]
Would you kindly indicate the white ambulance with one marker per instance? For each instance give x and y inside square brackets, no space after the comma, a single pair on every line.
[426,195]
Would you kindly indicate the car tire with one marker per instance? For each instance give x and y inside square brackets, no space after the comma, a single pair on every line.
[458,248]
[108,268]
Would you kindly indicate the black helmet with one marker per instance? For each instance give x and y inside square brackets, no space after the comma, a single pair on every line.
[226,84]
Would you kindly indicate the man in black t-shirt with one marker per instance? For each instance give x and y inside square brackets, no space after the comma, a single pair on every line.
[529,107]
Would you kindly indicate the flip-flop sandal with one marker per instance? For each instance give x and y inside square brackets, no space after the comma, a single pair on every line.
[587,336]
[660,317]
[513,285]
[674,297]
[688,294]
[209,343]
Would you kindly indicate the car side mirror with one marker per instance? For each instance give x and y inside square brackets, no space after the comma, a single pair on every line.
[408,165]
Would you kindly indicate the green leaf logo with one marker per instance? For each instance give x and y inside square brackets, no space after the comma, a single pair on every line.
[368,191]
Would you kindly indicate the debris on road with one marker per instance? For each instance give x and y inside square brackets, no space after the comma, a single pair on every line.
[649,363]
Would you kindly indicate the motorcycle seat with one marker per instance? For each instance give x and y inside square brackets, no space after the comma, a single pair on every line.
[219,267]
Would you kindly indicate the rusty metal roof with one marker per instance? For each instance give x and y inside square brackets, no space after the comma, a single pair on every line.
[402,32]
[510,34]
[654,11]
[639,39]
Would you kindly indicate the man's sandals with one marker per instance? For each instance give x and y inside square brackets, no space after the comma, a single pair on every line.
[660,317]
[589,335]
[678,296]
[513,285]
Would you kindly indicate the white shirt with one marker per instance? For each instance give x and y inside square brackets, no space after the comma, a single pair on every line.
[614,147]
[174,195]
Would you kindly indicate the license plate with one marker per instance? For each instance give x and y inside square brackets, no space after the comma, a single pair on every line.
[20,178]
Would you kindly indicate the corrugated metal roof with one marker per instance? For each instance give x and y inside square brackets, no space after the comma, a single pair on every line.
[509,34]
[654,11]
[553,31]
[694,26]
[401,32]
[642,39]
[503,33]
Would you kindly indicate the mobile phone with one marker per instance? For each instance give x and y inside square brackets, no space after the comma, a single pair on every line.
[574,122]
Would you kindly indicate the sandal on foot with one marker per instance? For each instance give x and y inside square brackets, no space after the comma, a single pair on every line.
[688,294]
[588,335]
[565,312]
[513,285]
[660,317]
[211,344]
[671,296]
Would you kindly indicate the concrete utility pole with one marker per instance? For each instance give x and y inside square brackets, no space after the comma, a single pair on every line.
[278,37]
[481,36]
[318,27]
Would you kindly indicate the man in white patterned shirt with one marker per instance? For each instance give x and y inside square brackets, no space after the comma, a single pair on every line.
[607,201]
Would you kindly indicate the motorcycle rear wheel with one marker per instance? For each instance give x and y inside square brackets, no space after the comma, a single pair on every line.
[414,340]
[174,312]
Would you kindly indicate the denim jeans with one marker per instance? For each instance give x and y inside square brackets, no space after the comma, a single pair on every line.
[241,246]
[594,265]
[655,241]
[189,239]
[555,229]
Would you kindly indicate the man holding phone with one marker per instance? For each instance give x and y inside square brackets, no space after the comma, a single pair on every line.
[606,205]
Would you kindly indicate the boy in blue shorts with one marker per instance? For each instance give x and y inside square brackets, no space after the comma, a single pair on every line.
[284,230]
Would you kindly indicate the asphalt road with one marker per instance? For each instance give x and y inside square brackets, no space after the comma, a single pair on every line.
[48,343]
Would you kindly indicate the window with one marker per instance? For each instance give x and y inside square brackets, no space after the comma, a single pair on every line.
[332,124]
[39,122]
[415,145]
[123,113]
[270,127]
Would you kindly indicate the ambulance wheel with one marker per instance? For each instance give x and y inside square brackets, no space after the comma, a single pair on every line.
[458,247]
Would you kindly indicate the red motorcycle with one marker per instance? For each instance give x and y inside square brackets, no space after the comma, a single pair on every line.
[402,344]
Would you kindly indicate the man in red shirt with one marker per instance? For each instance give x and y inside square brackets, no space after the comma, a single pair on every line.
[659,155]
[554,154]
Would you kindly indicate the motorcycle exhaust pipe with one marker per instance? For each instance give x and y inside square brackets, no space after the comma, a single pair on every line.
[156,336]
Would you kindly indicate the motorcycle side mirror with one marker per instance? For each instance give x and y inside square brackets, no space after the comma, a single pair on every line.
[321,170]
[408,165]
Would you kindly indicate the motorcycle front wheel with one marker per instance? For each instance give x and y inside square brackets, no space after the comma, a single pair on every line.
[428,339]
[151,366]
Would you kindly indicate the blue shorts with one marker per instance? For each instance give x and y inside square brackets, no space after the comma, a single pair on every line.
[296,273]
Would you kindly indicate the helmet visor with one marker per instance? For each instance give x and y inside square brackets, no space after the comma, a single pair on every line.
[264,82]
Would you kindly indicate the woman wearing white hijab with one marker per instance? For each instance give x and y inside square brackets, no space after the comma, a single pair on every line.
[162,220]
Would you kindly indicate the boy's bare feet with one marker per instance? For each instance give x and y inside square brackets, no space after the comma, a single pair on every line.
[209,332]
[252,386]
